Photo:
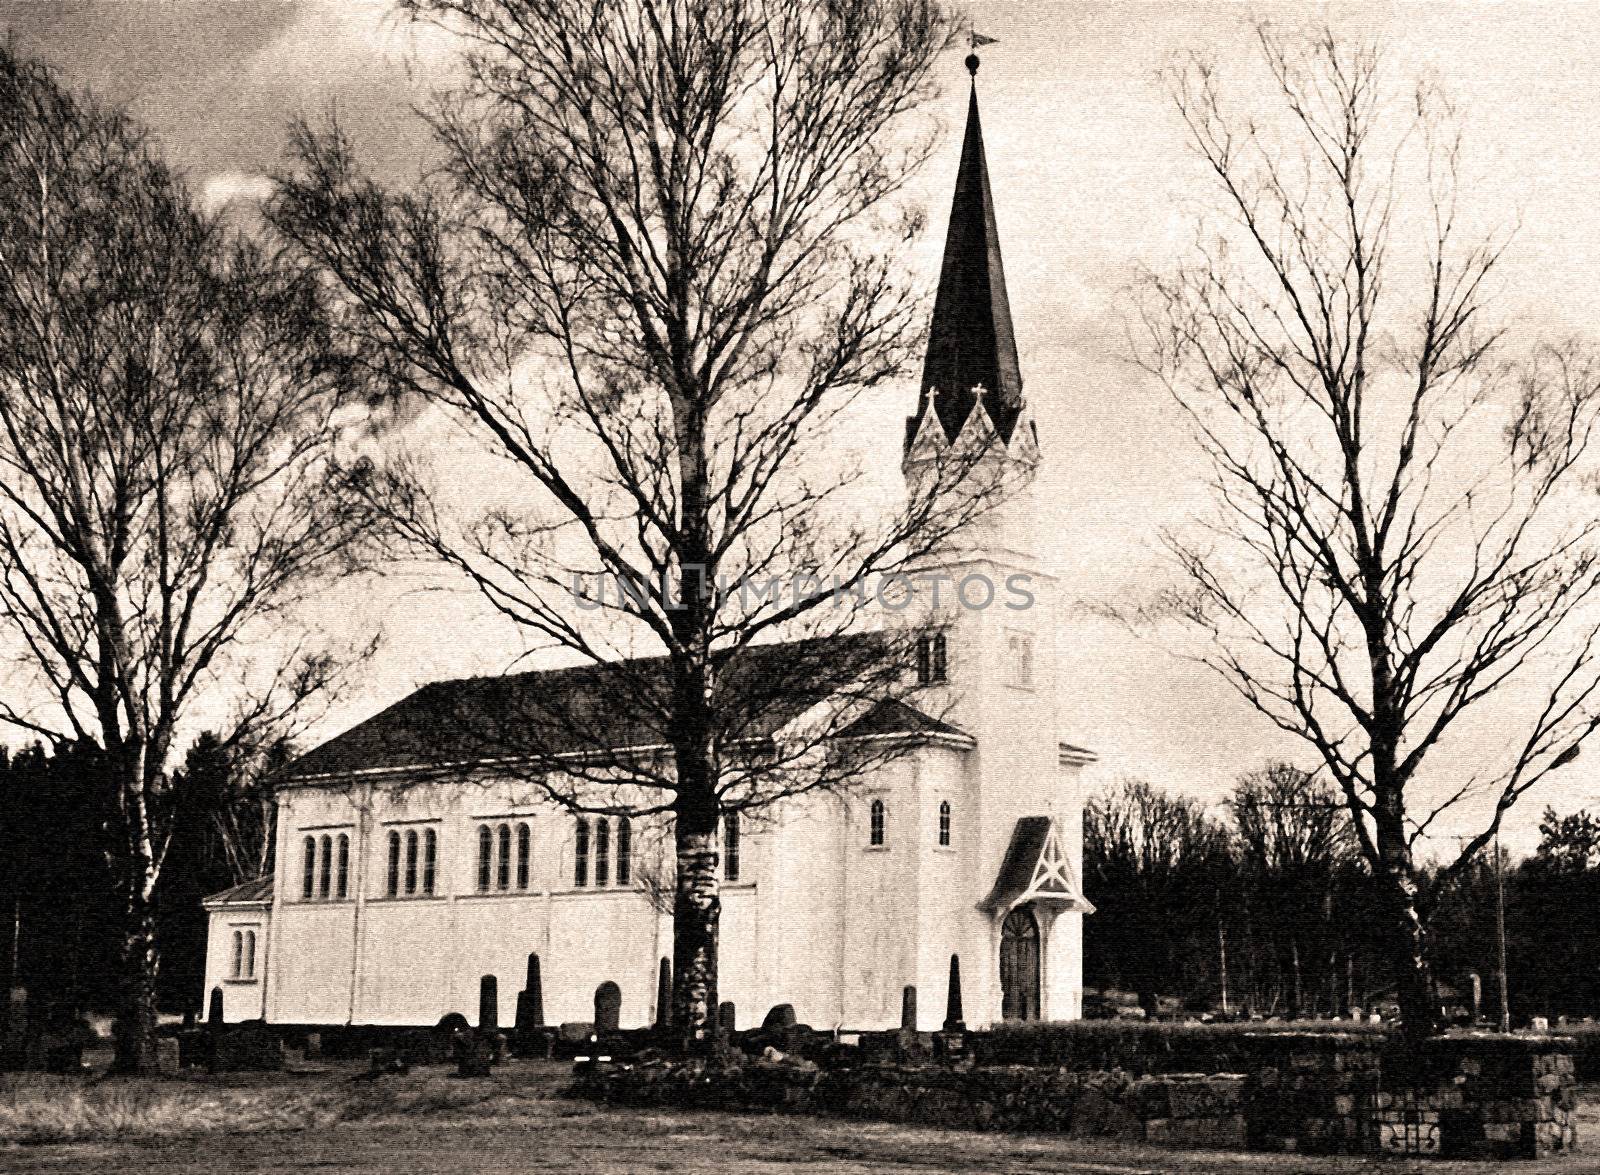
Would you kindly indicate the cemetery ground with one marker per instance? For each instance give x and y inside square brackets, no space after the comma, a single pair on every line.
[324,1117]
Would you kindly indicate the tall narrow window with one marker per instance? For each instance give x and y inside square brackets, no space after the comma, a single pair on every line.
[325,878]
[411,860]
[430,859]
[524,854]
[875,817]
[730,846]
[249,954]
[602,851]
[944,823]
[344,866]
[394,864]
[1019,647]
[502,877]
[308,881]
[485,856]
[238,954]
[930,658]
[580,853]
[624,851]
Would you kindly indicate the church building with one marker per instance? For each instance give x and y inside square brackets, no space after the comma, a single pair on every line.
[401,895]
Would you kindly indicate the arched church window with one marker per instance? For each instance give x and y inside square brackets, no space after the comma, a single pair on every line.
[430,860]
[730,846]
[344,866]
[325,878]
[249,954]
[944,824]
[624,851]
[393,880]
[580,853]
[875,821]
[238,954]
[413,848]
[485,856]
[308,881]
[502,873]
[602,851]
[524,854]
[931,658]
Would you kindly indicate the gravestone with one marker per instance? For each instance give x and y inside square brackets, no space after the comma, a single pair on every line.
[664,994]
[953,1020]
[168,1058]
[726,1015]
[14,1043]
[489,1004]
[474,1054]
[530,1000]
[214,1008]
[908,1008]
[607,1007]
[779,1017]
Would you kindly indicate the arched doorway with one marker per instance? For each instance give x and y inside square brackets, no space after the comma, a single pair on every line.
[1019,965]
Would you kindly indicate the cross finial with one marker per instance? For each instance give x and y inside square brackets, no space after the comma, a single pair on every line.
[975,40]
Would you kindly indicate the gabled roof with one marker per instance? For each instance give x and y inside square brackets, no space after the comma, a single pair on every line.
[1035,869]
[250,893]
[971,342]
[589,709]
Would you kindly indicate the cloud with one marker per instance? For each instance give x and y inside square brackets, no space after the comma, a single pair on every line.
[225,187]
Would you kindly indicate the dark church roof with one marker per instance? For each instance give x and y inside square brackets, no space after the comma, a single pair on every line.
[250,893]
[587,708]
[971,341]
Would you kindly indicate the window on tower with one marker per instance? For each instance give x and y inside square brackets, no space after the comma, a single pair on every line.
[1019,655]
[944,824]
[875,823]
[930,658]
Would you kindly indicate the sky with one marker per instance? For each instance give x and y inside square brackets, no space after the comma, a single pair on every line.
[1092,181]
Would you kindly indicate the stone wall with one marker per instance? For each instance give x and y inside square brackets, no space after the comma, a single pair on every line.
[1489,1097]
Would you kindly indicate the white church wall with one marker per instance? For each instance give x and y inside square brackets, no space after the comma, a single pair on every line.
[800,907]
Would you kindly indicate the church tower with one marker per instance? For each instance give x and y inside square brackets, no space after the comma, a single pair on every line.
[1014,917]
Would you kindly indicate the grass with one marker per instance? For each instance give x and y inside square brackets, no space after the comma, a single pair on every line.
[37,1109]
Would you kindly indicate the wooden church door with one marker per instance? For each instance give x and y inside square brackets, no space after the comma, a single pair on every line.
[1019,965]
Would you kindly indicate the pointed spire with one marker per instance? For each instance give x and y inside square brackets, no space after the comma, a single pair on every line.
[971,342]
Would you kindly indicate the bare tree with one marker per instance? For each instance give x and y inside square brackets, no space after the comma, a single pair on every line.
[166,408]
[1295,848]
[1154,864]
[656,277]
[1402,548]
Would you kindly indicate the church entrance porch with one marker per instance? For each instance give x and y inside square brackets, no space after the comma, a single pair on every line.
[1019,965]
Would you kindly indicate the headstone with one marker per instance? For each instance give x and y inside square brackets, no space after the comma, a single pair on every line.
[168,1059]
[14,1042]
[953,1019]
[726,1018]
[489,1004]
[530,1000]
[779,1016]
[474,1054]
[1476,984]
[313,1046]
[1540,1024]
[664,994]
[214,1008]
[908,1008]
[607,1007]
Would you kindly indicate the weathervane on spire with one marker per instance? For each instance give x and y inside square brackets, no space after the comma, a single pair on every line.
[975,40]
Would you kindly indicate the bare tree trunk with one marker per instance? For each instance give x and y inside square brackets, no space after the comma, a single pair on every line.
[136,1017]
[1408,931]
[697,916]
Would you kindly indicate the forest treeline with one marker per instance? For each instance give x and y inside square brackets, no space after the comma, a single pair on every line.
[1262,904]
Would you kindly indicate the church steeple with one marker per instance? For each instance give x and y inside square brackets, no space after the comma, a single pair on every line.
[971,343]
